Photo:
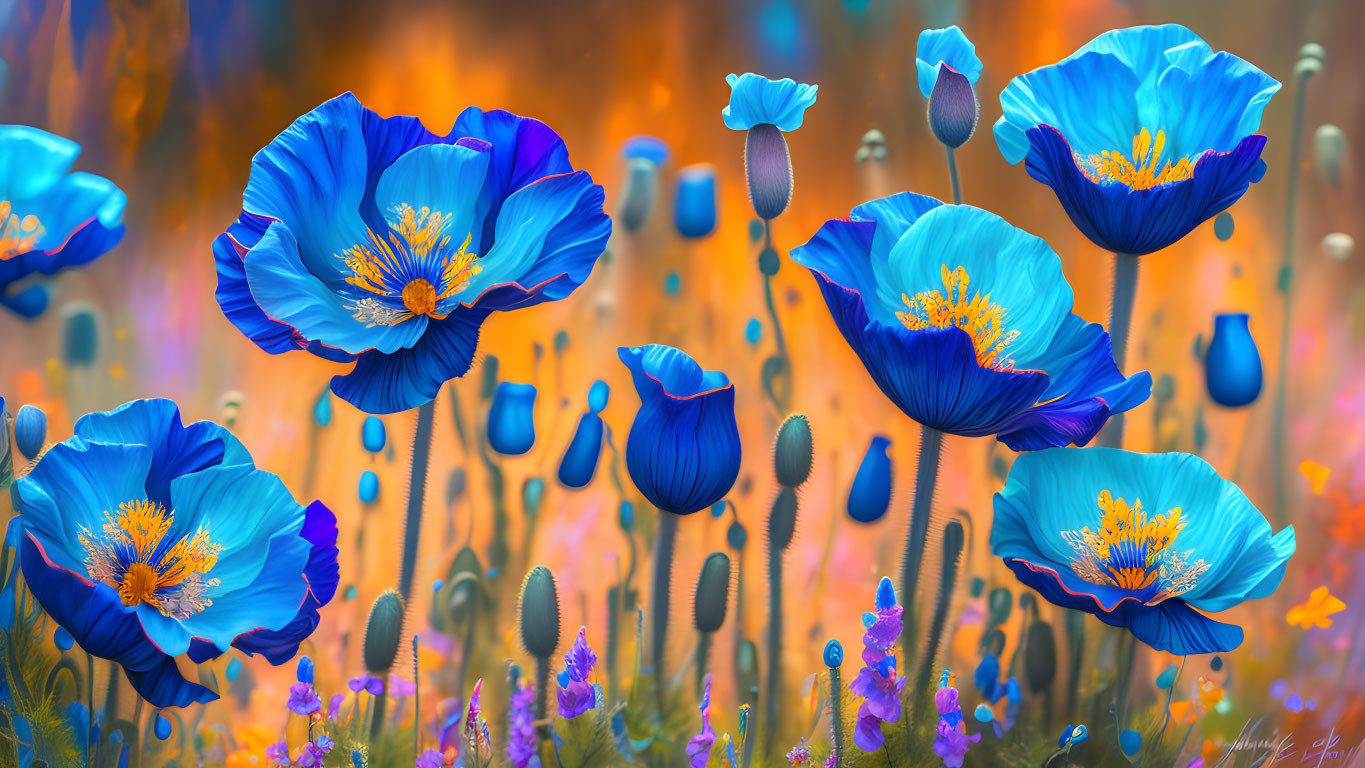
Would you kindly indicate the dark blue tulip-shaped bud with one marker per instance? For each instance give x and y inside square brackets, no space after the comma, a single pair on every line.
[637,194]
[322,409]
[870,495]
[368,489]
[1232,368]
[953,108]
[834,654]
[694,202]
[30,431]
[683,449]
[768,166]
[63,639]
[511,418]
[162,728]
[598,395]
[28,303]
[304,672]
[372,434]
[580,460]
[81,334]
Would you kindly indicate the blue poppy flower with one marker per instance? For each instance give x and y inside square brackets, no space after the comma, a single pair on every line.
[1188,114]
[147,539]
[50,218]
[755,100]
[1142,541]
[965,323]
[938,47]
[373,240]
[683,449]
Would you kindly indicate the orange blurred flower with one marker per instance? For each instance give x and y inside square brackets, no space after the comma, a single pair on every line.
[1348,527]
[1314,613]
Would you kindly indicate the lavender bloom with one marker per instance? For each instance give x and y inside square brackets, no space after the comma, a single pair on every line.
[334,706]
[429,759]
[521,733]
[309,756]
[400,687]
[950,739]
[324,744]
[368,683]
[576,694]
[277,753]
[699,747]
[877,682]
[303,700]
[799,754]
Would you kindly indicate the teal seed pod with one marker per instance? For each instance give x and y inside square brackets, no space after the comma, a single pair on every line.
[1040,656]
[794,453]
[782,520]
[80,334]
[539,613]
[736,537]
[713,593]
[383,632]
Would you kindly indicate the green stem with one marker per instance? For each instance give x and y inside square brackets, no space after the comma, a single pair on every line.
[771,706]
[377,714]
[703,659]
[664,539]
[780,400]
[952,173]
[836,710]
[417,488]
[1286,286]
[926,477]
[542,697]
[1120,323]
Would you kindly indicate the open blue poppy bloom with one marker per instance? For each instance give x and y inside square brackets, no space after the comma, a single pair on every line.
[1187,113]
[374,240]
[1139,540]
[965,323]
[683,450]
[50,219]
[755,100]
[948,46]
[147,539]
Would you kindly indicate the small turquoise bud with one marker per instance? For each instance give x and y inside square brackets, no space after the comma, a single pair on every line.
[368,489]
[834,654]
[162,728]
[870,495]
[532,491]
[30,431]
[234,668]
[322,409]
[511,419]
[1232,368]
[953,108]
[1130,742]
[626,516]
[598,394]
[1167,677]
[63,639]
[694,203]
[753,331]
[886,595]
[372,434]
[1224,226]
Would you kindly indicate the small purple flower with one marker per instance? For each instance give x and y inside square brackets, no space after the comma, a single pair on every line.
[303,700]
[521,732]
[371,685]
[324,744]
[429,759]
[699,747]
[277,753]
[799,754]
[400,687]
[309,756]
[334,706]
[877,682]
[950,736]
[576,694]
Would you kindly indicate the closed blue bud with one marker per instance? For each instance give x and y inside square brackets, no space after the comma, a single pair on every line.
[28,303]
[81,334]
[372,435]
[718,509]
[753,331]
[1130,742]
[625,516]
[162,729]
[304,673]
[694,201]
[834,654]
[886,595]
[511,418]
[30,431]
[598,394]
[983,714]
[322,409]
[1167,677]
[63,639]
[869,618]
[953,108]
[768,168]
[870,495]
[672,284]
[683,450]
[368,489]
[234,668]
[637,194]
[1232,367]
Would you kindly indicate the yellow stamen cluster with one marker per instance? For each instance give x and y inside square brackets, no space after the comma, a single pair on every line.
[18,234]
[129,555]
[379,266]
[1132,551]
[1141,171]
[950,308]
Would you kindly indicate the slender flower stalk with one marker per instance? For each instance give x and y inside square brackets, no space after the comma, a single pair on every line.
[926,478]
[1120,327]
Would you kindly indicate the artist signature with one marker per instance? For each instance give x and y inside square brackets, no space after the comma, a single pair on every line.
[1326,751]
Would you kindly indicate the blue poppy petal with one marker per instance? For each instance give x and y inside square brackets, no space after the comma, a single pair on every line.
[894,216]
[1142,221]
[72,202]
[1064,96]
[755,100]
[382,383]
[73,486]
[234,294]
[1199,98]
[104,627]
[176,449]
[524,151]
[445,178]
[286,291]
[87,243]
[32,160]
[944,46]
